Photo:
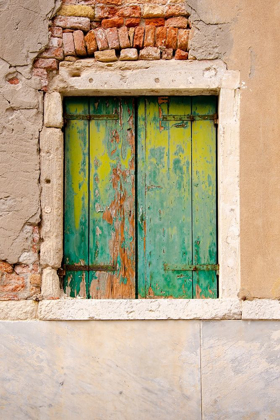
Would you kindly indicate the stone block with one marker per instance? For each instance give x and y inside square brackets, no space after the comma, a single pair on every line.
[181,55]
[177,22]
[175,10]
[115,22]
[129,54]
[183,39]
[138,38]
[55,42]
[171,40]
[79,42]
[72,22]
[130,12]
[51,147]
[53,114]
[149,40]
[22,310]
[101,39]
[76,10]
[167,54]
[153,10]
[50,284]
[102,12]
[91,43]
[132,22]
[35,280]
[112,38]
[53,52]
[105,56]
[149,53]
[161,36]
[68,44]
[155,22]
[46,63]
[123,37]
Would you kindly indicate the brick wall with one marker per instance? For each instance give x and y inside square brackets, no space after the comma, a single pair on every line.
[112,30]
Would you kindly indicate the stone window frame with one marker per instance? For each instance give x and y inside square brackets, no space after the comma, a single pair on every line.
[90,78]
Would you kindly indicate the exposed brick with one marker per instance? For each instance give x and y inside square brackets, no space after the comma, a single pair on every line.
[171,40]
[55,42]
[167,54]
[101,39]
[149,53]
[56,31]
[115,22]
[68,44]
[161,36]
[129,54]
[12,81]
[6,267]
[149,40]
[123,37]
[79,42]
[53,53]
[177,22]
[115,2]
[181,55]
[112,38]
[94,25]
[105,56]
[153,11]
[129,12]
[22,268]
[35,280]
[43,75]
[155,22]
[68,31]
[131,33]
[11,283]
[132,23]
[91,43]
[46,63]
[102,12]
[76,10]
[174,10]
[138,37]
[73,22]
[183,39]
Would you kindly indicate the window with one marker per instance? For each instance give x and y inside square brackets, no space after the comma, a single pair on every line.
[140,199]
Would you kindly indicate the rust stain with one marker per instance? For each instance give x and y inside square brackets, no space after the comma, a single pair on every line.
[197,292]
[163,100]
[83,292]
[108,216]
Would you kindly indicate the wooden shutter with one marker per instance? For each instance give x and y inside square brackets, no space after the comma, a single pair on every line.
[99,239]
[177,239]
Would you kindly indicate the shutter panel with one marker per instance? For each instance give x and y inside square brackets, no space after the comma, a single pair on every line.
[76,221]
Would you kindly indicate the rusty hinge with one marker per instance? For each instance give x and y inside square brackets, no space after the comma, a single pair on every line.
[76,267]
[190,267]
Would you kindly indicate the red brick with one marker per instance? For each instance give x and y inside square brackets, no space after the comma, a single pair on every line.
[46,63]
[149,40]
[68,31]
[112,38]
[91,43]
[129,12]
[181,55]
[4,266]
[73,22]
[53,53]
[115,22]
[79,42]
[68,44]
[56,31]
[138,37]
[95,24]
[161,36]
[132,23]
[175,10]
[115,2]
[55,42]
[177,22]
[183,39]
[123,37]
[171,40]
[167,54]
[101,39]
[12,283]
[12,81]
[149,53]
[102,12]
[155,22]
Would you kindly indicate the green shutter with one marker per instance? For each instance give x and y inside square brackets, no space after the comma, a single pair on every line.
[176,244]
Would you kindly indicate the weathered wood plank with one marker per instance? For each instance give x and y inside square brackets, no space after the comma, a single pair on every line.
[76,198]
[204,197]
[112,198]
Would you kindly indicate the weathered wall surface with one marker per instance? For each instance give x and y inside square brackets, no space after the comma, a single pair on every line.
[128,370]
